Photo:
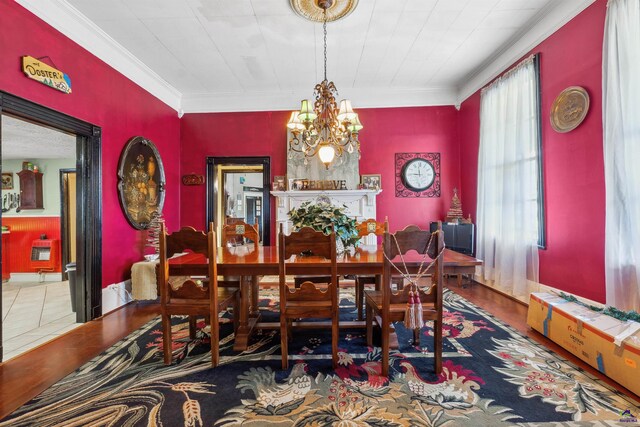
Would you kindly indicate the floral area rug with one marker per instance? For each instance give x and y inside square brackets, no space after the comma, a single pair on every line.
[491,376]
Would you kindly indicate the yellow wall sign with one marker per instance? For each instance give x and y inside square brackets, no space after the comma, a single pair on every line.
[45,74]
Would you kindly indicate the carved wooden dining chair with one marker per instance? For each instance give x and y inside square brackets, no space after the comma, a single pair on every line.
[232,233]
[364,229]
[385,306]
[239,231]
[309,301]
[184,295]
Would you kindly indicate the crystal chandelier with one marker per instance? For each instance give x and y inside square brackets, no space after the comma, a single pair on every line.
[324,129]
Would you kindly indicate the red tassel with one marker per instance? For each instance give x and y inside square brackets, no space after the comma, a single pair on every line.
[409,314]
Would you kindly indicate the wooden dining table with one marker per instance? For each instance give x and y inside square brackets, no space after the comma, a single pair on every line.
[249,263]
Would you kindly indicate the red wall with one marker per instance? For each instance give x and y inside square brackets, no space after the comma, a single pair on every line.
[410,130]
[256,134]
[24,230]
[573,162]
[106,98]
[387,131]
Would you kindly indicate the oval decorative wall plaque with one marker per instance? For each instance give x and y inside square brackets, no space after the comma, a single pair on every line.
[569,109]
[141,182]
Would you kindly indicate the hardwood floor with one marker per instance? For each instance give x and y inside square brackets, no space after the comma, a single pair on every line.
[514,313]
[25,376]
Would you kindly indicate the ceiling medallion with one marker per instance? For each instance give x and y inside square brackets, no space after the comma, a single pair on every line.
[313,9]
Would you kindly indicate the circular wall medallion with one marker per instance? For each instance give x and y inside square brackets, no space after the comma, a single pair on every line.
[310,10]
[569,109]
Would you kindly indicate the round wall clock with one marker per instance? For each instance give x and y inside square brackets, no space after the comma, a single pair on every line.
[569,109]
[417,174]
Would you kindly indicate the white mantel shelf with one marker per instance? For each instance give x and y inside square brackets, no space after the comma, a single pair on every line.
[315,193]
[360,204]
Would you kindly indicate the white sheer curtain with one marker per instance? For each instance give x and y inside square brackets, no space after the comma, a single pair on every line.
[621,120]
[508,181]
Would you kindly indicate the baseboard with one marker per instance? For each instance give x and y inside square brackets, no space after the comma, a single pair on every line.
[115,296]
[534,287]
[36,277]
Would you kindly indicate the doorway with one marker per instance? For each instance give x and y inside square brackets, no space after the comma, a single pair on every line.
[67,219]
[38,197]
[238,189]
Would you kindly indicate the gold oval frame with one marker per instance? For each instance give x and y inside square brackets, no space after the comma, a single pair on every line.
[569,109]
[310,10]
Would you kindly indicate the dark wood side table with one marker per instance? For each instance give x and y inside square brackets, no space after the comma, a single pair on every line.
[459,237]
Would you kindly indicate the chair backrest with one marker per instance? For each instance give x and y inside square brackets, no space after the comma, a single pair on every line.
[369,226]
[423,242]
[231,232]
[308,242]
[186,239]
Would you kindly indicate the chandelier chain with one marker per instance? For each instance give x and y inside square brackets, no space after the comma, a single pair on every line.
[323,128]
[324,28]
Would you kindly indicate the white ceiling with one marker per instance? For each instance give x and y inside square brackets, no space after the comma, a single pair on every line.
[25,140]
[239,55]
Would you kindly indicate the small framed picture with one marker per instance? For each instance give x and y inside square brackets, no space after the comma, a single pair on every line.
[279,183]
[298,184]
[7,180]
[371,182]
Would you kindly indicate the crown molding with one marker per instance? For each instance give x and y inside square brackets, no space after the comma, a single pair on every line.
[283,101]
[548,21]
[72,23]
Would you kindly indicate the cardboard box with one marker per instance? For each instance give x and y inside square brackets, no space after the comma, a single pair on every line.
[606,343]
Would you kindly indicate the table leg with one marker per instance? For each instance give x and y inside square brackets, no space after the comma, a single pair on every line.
[254,310]
[246,323]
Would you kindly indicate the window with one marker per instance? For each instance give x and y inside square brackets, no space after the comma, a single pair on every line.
[510,200]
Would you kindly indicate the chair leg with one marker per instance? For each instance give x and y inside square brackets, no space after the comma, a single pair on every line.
[335,335]
[166,338]
[236,313]
[385,346]
[416,336]
[284,341]
[192,327]
[437,336]
[369,325]
[215,339]
[359,296]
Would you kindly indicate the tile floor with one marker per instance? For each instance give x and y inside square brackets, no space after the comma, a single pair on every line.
[34,313]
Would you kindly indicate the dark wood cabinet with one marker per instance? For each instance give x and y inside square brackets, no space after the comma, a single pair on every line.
[30,190]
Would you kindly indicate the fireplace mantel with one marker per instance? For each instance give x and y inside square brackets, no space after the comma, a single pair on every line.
[361,204]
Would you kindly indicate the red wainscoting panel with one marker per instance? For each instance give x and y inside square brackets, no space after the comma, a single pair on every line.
[24,230]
